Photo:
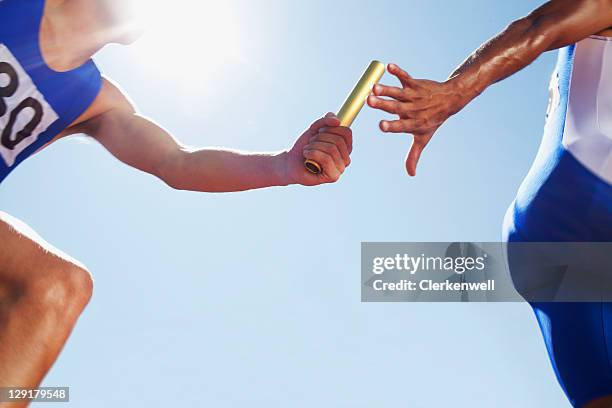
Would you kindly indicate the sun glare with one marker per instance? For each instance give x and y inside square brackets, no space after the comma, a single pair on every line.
[188,40]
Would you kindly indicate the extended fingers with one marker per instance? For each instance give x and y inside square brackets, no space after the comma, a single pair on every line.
[412,159]
[390,91]
[402,75]
[403,126]
[389,106]
[394,126]
[405,102]
[419,144]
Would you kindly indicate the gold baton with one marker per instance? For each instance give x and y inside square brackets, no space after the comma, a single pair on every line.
[354,102]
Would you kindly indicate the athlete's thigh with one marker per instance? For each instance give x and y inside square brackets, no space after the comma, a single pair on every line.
[577,336]
[24,255]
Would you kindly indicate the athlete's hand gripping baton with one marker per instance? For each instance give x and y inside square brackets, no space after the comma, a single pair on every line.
[354,102]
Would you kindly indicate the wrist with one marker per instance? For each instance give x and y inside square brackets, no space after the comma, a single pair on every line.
[464,89]
[280,168]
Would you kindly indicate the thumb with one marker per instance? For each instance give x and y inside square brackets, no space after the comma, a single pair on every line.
[412,159]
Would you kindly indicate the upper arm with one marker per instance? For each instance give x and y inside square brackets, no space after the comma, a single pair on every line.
[562,22]
[135,140]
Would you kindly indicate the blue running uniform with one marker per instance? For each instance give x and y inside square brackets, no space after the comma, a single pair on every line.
[36,102]
[567,197]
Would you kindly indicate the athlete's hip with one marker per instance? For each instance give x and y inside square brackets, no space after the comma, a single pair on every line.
[565,203]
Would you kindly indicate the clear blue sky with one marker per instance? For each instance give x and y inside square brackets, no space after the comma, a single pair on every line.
[253,299]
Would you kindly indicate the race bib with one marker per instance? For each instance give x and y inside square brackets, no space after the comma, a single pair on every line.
[24,112]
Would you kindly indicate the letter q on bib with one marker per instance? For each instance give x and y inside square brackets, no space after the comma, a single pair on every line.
[24,112]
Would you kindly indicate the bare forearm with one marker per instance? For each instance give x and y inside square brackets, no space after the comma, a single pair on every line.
[144,145]
[502,56]
[556,24]
[217,171]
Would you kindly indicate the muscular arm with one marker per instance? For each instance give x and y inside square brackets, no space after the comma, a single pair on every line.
[422,106]
[144,145]
[554,25]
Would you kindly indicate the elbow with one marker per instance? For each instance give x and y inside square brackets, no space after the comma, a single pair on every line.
[544,33]
[174,184]
[537,34]
[169,170]
[177,171]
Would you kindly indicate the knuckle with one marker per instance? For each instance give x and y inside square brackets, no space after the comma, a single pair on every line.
[344,149]
[327,160]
